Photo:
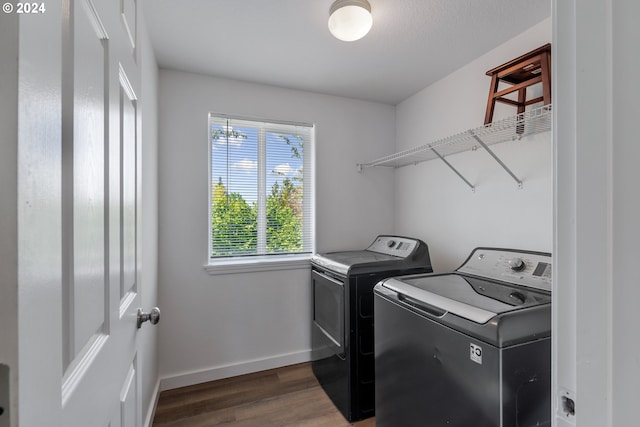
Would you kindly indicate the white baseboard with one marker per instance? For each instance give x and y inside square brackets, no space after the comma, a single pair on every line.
[151,411]
[232,370]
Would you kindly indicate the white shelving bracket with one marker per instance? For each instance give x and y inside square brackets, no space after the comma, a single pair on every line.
[496,158]
[473,188]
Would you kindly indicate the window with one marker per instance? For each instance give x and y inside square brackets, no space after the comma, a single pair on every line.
[261,189]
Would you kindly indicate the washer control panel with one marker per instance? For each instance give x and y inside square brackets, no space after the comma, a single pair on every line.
[532,269]
[393,245]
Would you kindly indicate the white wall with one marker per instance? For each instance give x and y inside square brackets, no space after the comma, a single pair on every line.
[148,336]
[215,326]
[625,153]
[597,208]
[8,206]
[435,205]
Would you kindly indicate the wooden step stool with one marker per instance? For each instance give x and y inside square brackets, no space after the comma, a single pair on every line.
[522,72]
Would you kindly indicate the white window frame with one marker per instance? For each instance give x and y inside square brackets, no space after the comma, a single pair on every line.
[259,263]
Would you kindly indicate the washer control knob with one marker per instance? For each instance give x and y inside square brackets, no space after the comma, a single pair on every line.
[517,264]
[391,243]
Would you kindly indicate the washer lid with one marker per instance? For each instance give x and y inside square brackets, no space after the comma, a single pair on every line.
[471,298]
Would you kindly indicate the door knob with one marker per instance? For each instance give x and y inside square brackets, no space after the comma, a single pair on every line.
[153,316]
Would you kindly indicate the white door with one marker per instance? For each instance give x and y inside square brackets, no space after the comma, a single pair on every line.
[96,381]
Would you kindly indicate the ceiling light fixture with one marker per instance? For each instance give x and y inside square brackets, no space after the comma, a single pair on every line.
[350,20]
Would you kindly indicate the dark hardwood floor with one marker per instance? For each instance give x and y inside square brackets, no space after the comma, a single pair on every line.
[289,396]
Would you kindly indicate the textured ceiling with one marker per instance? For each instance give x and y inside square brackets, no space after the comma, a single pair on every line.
[286,42]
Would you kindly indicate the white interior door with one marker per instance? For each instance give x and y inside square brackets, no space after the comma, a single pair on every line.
[96,373]
[100,190]
[101,292]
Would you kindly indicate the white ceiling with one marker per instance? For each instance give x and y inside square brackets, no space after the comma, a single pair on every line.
[286,43]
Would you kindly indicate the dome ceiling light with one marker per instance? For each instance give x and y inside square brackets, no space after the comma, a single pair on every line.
[350,20]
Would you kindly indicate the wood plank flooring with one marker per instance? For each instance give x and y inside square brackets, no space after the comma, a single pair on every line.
[289,396]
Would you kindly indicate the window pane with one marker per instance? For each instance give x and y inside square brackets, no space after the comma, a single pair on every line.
[285,196]
[234,192]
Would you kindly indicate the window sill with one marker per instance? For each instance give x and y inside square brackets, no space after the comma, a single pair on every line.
[257,264]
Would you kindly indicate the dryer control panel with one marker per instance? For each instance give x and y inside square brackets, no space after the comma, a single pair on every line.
[525,268]
[393,245]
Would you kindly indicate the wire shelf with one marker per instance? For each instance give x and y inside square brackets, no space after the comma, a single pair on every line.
[511,128]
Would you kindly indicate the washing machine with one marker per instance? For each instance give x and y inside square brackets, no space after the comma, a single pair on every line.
[471,347]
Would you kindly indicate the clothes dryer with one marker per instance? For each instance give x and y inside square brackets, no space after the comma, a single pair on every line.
[342,330]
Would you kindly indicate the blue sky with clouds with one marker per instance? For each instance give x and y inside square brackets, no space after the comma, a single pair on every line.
[236,161]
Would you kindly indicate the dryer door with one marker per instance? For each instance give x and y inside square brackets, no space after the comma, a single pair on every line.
[328,310]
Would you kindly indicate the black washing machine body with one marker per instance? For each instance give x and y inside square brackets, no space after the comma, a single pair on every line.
[470,347]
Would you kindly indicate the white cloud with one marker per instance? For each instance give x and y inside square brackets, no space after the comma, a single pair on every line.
[246,165]
[283,169]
